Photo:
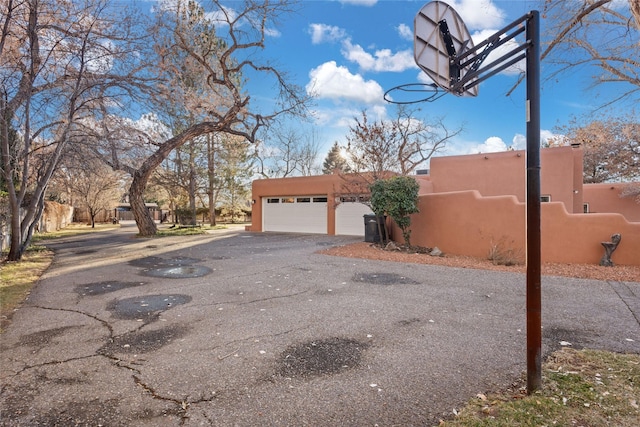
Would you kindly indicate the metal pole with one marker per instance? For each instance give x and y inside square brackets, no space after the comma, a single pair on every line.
[534,304]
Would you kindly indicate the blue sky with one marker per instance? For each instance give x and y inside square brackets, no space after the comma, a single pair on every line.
[348,53]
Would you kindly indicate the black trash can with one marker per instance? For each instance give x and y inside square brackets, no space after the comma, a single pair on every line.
[371,230]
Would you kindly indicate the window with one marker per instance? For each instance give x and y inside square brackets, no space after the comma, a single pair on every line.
[348,199]
[303,199]
[361,198]
[585,207]
[319,200]
[288,200]
[273,200]
[545,198]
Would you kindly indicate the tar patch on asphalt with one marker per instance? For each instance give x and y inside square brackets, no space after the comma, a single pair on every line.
[383,279]
[158,262]
[321,357]
[178,272]
[44,337]
[146,307]
[101,288]
[137,342]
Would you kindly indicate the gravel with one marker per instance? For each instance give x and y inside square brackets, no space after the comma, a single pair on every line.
[619,273]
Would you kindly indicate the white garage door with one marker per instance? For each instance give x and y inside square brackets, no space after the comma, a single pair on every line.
[296,214]
[349,218]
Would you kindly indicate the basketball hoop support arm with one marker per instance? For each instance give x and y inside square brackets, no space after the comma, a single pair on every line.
[473,58]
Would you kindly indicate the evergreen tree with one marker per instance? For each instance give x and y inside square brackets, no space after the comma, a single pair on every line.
[334,160]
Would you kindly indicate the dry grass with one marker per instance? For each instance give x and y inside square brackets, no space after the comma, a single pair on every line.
[74,229]
[17,279]
[580,388]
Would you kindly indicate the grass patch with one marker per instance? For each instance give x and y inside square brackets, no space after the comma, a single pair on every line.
[73,229]
[17,279]
[580,388]
[182,230]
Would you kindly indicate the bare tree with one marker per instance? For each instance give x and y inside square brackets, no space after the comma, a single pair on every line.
[611,148]
[398,145]
[182,175]
[96,187]
[235,171]
[60,59]
[182,31]
[283,152]
[599,33]
[212,188]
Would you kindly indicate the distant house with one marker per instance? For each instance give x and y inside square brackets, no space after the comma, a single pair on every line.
[123,211]
[467,205]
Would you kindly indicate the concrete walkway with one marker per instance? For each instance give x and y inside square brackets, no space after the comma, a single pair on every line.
[243,329]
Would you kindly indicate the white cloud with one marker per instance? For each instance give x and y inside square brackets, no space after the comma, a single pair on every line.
[405,31]
[336,82]
[152,126]
[321,33]
[479,14]
[546,137]
[519,141]
[517,68]
[272,32]
[222,17]
[381,60]
[492,144]
[424,78]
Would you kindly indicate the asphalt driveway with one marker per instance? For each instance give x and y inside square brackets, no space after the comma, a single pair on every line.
[245,329]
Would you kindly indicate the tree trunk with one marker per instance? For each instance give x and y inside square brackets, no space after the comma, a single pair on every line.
[15,250]
[192,185]
[211,158]
[146,226]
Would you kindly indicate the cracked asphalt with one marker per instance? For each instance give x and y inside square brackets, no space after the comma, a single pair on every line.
[243,329]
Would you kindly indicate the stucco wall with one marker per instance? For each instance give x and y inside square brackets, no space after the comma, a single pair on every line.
[465,223]
[605,198]
[498,174]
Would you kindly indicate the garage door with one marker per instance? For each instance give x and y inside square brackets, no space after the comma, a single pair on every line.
[295,214]
[349,218]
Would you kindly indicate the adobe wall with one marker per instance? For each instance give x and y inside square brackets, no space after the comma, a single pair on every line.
[55,216]
[465,223]
[504,173]
[605,198]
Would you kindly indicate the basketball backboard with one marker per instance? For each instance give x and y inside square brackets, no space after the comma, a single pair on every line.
[440,35]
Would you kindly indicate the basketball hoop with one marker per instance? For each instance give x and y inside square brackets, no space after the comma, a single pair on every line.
[402,94]
[443,49]
[440,39]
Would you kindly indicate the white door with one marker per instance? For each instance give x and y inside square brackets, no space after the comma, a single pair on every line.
[295,214]
[349,218]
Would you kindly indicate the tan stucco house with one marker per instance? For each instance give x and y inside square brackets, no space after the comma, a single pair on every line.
[467,205]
